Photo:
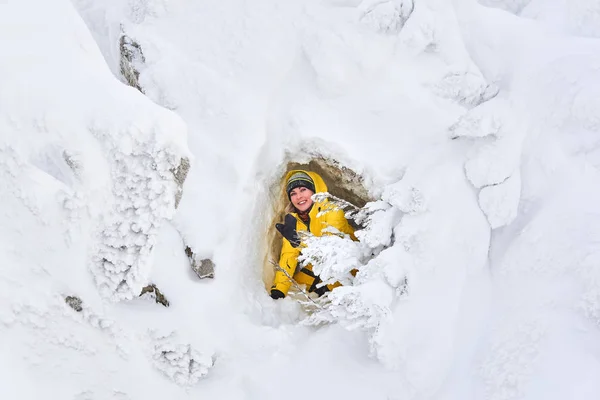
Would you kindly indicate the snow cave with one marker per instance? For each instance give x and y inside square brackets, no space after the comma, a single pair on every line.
[341,182]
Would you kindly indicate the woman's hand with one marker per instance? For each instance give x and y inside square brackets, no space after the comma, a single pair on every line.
[288,230]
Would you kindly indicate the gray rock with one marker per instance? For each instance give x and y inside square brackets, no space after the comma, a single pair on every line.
[204,268]
[132,58]
[180,174]
[156,294]
[74,302]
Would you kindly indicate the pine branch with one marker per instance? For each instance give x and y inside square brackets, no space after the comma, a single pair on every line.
[278,267]
[320,197]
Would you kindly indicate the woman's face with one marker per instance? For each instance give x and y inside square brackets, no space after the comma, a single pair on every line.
[301,198]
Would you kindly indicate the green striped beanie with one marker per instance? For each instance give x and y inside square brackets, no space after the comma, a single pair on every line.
[299,179]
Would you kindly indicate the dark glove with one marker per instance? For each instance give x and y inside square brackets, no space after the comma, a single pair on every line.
[288,230]
[277,294]
[322,290]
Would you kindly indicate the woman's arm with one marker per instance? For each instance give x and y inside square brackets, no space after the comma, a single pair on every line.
[288,262]
[337,219]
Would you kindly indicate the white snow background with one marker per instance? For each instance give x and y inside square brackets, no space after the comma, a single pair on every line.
[477,124]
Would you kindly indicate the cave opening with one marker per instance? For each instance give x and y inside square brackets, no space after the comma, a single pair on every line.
[341,182]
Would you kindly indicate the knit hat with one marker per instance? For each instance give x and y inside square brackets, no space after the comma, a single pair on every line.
[299,179]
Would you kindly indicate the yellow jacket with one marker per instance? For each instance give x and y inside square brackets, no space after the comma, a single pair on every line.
[330,216]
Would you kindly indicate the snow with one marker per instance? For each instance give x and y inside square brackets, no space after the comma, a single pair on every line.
[578,17]
[474,125]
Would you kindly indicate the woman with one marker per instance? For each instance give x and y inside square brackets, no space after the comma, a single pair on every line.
[304,215]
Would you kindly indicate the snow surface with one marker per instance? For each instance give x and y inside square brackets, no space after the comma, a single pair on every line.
[475,125]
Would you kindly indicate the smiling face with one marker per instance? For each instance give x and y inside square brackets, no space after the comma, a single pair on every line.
[301,198]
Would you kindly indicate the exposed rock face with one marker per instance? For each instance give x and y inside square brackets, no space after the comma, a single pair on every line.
[132,58]
[180,174]
[204,268]
[74,302]
[156,294]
